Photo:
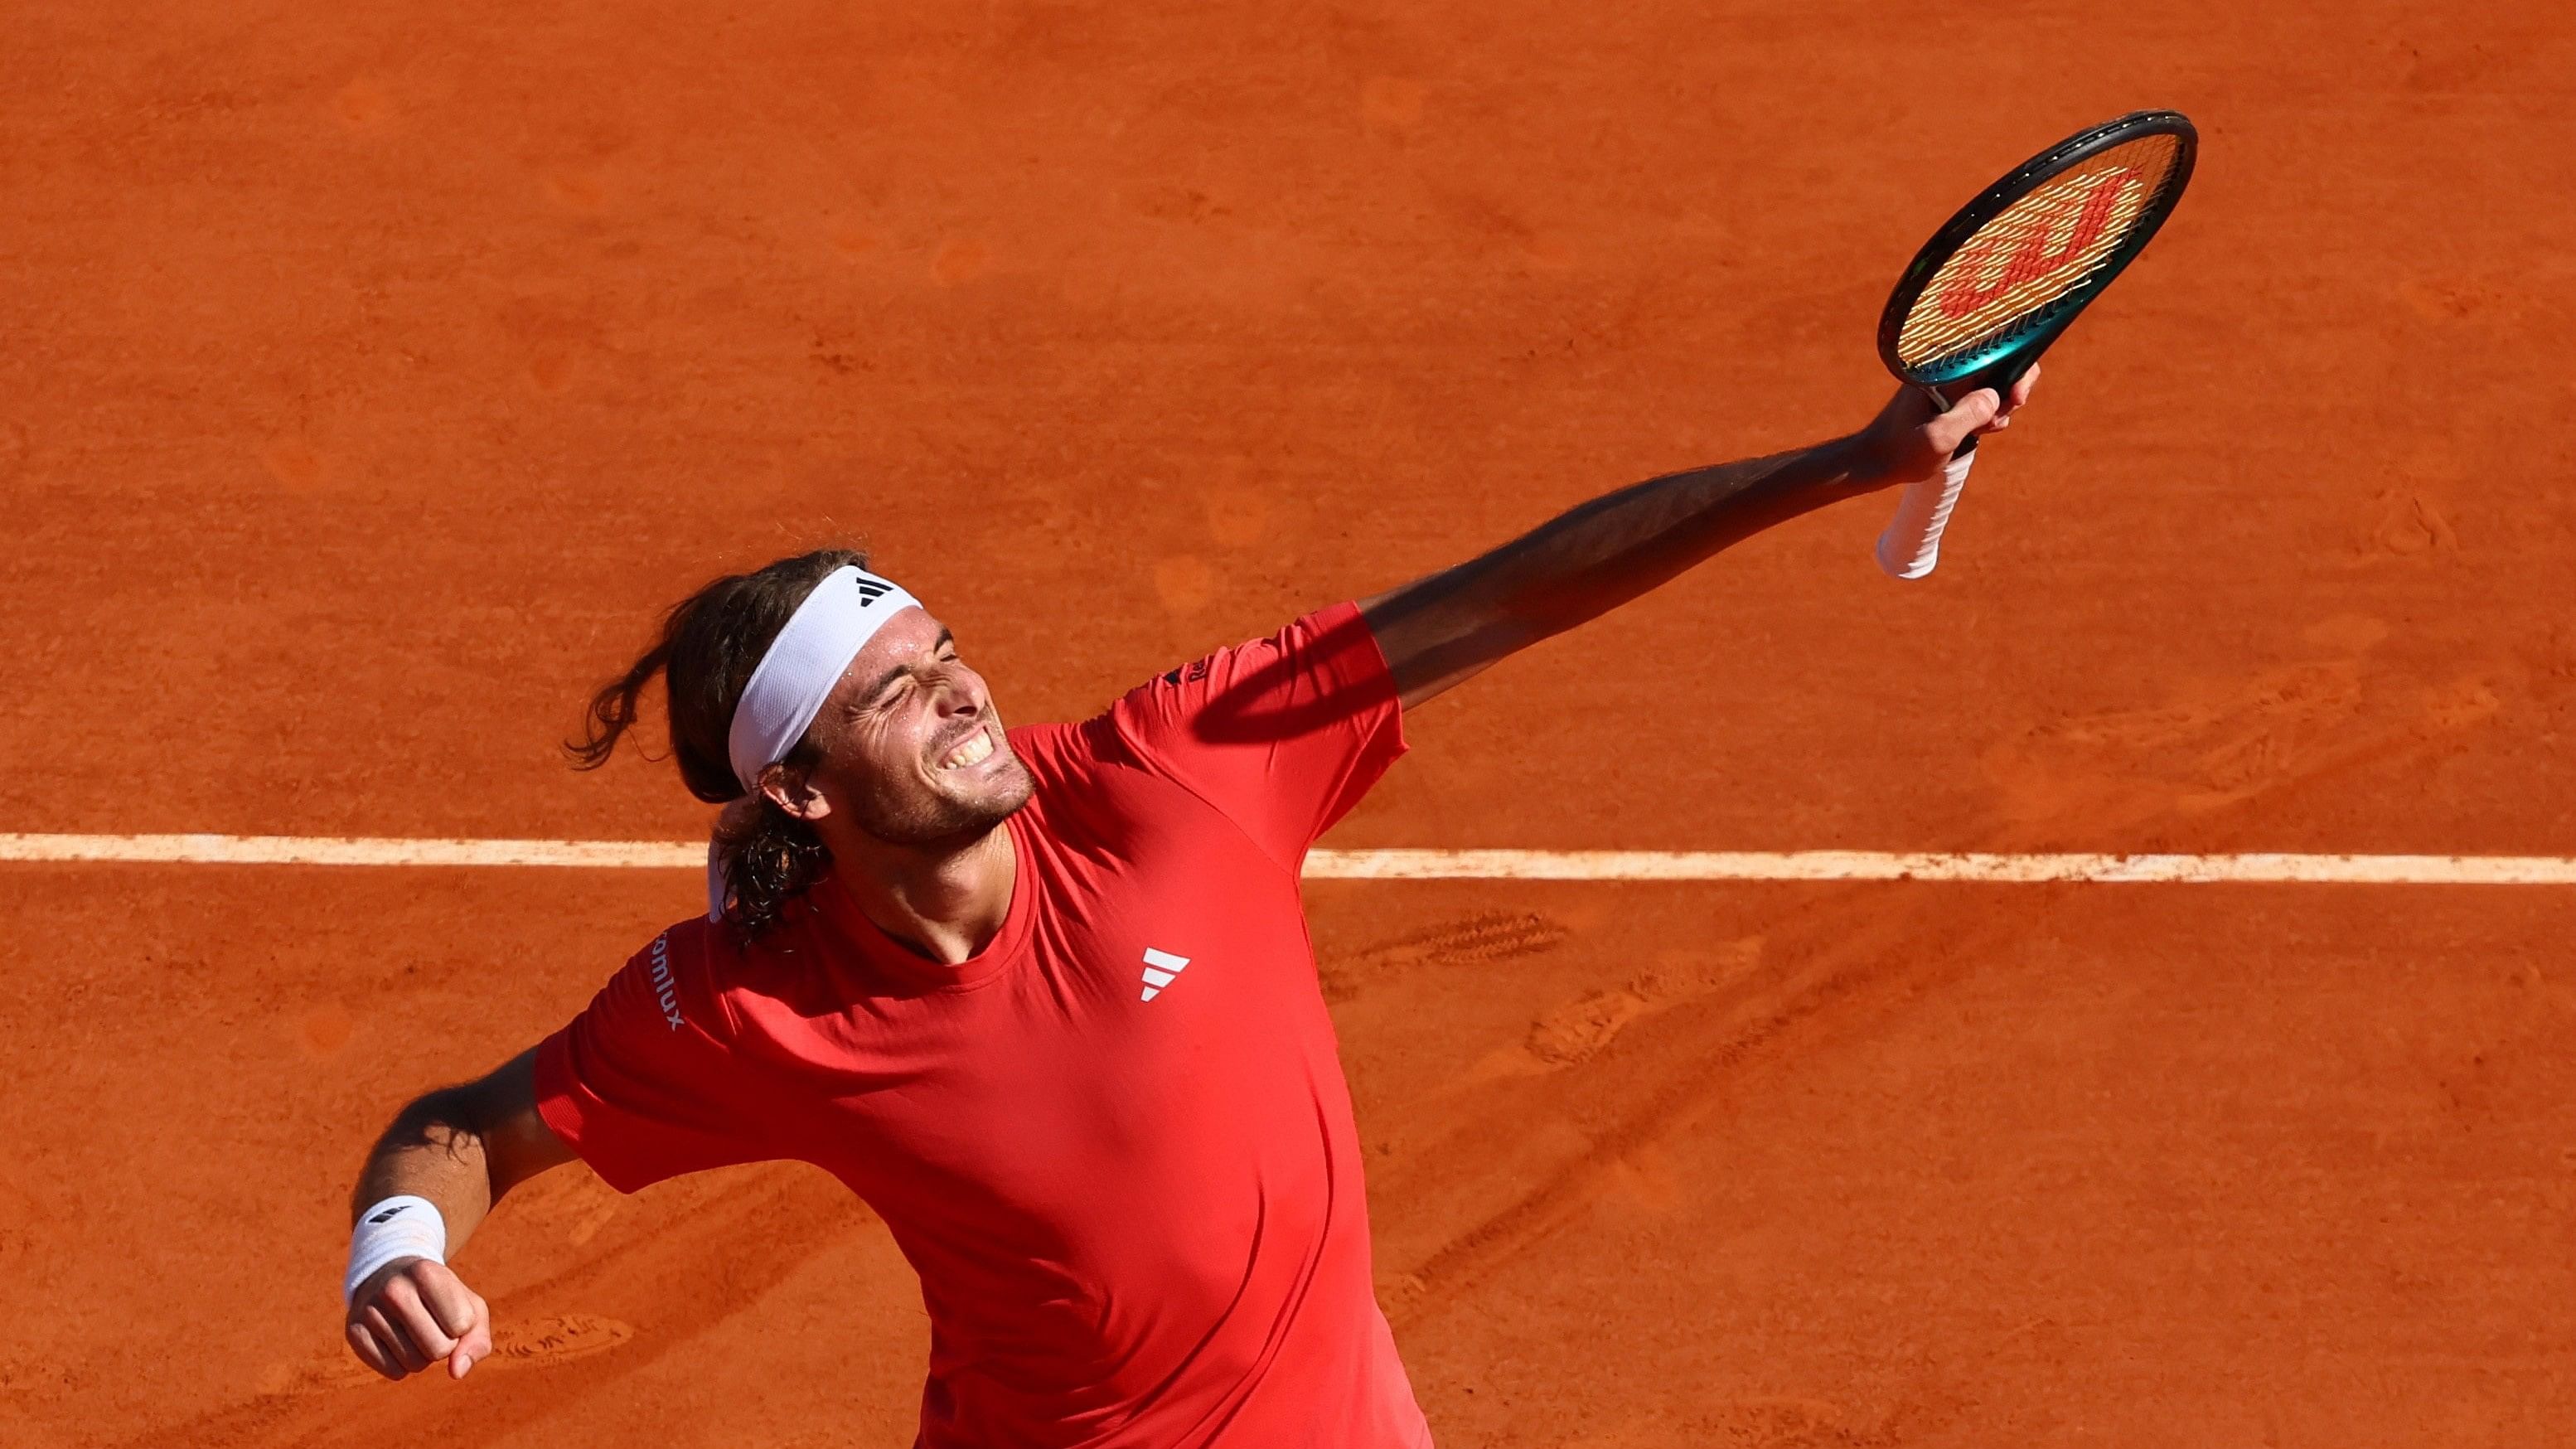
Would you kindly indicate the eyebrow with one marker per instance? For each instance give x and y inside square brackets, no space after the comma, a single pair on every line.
[869,694]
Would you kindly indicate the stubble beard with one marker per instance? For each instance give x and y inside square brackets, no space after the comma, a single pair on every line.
[933,820]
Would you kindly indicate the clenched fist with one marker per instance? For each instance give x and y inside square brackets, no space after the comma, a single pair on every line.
[413,1312]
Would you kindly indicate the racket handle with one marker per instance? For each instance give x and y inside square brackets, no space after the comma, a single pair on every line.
[1912,543]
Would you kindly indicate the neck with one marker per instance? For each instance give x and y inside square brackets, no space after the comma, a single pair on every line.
[947,902]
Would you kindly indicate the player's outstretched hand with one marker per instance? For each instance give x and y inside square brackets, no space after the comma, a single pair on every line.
[1909,441]
[412,1313]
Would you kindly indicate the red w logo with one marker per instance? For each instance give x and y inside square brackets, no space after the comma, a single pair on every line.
[2032,255]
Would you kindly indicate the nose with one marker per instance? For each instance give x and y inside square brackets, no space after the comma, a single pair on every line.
[961,692]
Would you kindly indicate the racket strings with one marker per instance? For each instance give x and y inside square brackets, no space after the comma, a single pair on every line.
[2037,250]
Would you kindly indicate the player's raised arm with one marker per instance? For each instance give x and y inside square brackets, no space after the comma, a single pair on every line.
[430,1180]
[1449,626]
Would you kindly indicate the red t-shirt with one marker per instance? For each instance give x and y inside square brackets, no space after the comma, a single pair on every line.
[1117,1145]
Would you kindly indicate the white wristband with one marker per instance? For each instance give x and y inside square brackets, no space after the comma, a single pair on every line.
[398,1227]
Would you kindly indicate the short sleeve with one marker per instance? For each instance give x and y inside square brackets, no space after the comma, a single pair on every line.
[1283,735]
[643,1084]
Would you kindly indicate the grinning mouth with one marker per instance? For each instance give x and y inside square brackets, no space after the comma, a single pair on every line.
[973,750]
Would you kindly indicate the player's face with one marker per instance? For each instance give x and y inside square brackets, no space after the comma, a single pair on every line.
[912,747]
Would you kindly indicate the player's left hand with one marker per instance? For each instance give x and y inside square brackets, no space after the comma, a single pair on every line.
[1908,440]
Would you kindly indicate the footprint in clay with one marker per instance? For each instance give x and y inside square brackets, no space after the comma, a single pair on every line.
[1480,939]
[1581,1029]
[1778,1424]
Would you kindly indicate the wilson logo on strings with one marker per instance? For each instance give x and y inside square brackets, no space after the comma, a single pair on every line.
[2035,250]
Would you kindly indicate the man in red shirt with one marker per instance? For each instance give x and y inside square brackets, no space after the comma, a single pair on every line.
[1042,997]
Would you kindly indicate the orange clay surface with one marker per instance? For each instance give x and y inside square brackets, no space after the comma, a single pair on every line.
[367,383]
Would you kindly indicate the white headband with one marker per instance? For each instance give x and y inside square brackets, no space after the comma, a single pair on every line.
[807,658]
[793,679]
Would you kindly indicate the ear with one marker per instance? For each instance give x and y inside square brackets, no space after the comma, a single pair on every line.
[792,792]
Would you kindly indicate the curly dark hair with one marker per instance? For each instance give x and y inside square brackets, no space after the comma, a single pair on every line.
[711,641]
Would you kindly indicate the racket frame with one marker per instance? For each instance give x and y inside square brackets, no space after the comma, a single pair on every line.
[2001,362]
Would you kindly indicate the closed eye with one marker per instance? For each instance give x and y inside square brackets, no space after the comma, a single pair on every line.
[944,650]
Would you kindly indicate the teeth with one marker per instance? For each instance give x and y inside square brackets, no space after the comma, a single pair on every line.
[972,752]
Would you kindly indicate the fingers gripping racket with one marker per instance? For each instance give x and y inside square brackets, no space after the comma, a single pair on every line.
[2001,280]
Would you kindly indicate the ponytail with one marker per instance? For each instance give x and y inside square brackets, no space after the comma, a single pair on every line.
[709,645]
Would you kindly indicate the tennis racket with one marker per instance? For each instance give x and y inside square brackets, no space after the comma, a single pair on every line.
[2001,280]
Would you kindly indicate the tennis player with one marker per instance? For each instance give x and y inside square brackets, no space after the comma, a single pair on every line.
[1043,997]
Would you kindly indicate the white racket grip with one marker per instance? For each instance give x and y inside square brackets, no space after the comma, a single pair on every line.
[1912,543]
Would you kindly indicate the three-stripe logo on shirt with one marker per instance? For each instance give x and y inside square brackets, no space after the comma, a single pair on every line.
[1162,968]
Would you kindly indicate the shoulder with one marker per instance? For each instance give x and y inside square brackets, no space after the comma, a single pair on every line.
[688,973]
[1312,669]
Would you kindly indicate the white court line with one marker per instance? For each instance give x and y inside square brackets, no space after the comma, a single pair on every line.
[1635,865]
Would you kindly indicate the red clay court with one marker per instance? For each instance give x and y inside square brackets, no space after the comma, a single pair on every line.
[372,381]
